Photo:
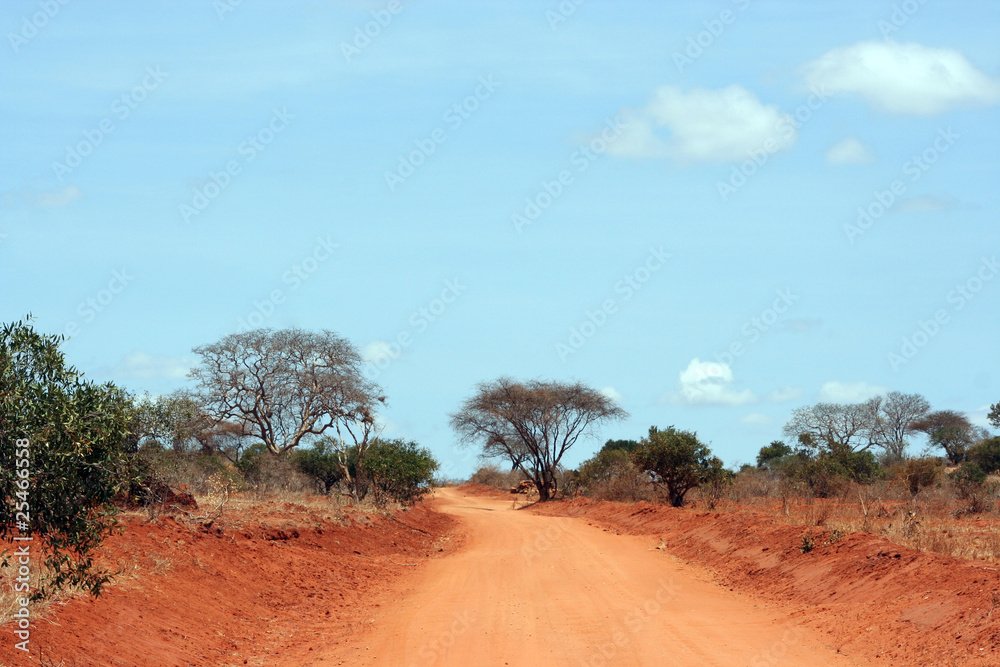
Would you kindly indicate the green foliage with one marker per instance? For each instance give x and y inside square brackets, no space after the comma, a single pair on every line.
[969,476]
[79,454]
[399,470]
[677,460]
[994,415]
[620,445]
[808,543]
[772,453]
[986,455]
[828,470]
[320,462]
[606,465]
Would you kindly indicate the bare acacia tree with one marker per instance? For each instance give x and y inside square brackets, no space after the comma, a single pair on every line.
[882,421]
[894,417]
[284,386]
[532,424]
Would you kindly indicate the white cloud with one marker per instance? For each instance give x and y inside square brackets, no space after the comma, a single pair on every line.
[613,394]
[849,392]
[903,78]
[709,383]
[56,198]
[380,350]
[926,203]
[755,418]
[140,365]
[849,151]
[785,394]
[703,126]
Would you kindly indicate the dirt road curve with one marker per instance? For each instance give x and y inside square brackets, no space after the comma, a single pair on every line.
[533,591]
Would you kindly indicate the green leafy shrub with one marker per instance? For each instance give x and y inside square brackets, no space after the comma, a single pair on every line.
[79,460]
[677,461]
[987,455]
[399,470]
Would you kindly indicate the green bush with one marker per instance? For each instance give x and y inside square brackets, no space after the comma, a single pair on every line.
[78,461]
[772,454]
[677,460]
[399,470]
[987,455]
[321,463]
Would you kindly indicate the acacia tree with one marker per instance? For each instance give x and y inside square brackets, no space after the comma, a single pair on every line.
[677,460]
[894,416]
[532,424]
[882,421]
[286,386]
[951,431]
[177,421]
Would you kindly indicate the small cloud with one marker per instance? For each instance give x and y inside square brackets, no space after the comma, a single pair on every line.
[725,125]
[849,151]
[613,394]
[849,392]
[380,350]
[785,394]
[709,383]
[56,198]
[803,324]
[755,418]
[140,365]
[903,78]
[926,203]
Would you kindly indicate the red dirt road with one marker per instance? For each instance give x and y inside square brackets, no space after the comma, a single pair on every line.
[540,590]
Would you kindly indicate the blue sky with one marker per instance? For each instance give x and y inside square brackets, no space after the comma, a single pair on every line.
[714,211]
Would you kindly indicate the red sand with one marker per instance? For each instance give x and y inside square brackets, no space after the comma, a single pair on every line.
[874,599]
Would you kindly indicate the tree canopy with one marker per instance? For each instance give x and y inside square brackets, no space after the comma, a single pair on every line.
[532,424]
[677,460]
[285,386]
[882,422]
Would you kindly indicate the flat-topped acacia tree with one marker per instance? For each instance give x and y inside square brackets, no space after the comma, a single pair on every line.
[532,424]
[287,385]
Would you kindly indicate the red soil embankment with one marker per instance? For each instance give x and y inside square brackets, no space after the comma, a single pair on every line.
[875,599]
[197,595]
